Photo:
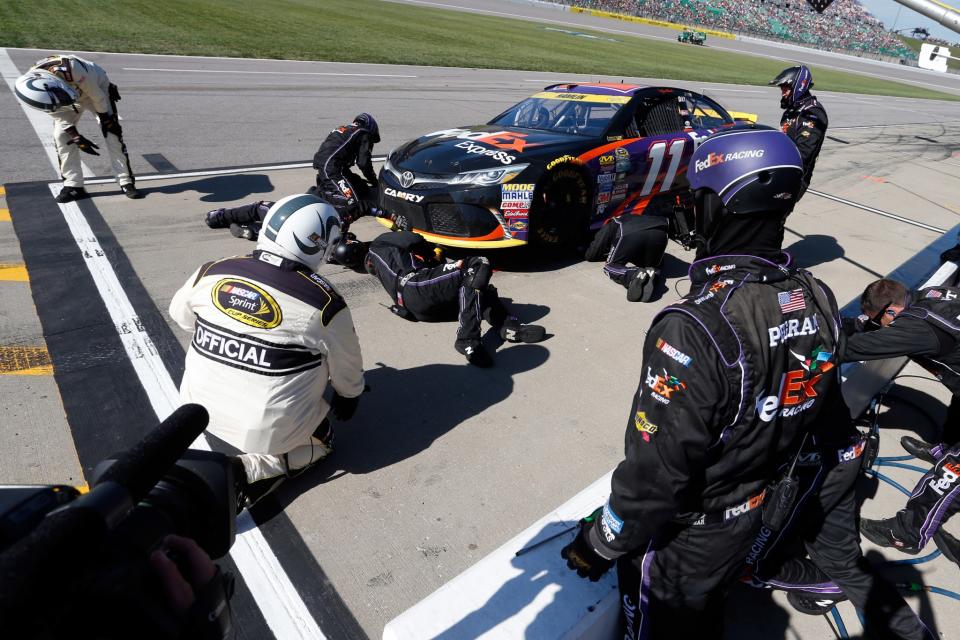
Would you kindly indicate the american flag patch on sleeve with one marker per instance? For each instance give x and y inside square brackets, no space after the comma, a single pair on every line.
[791,301]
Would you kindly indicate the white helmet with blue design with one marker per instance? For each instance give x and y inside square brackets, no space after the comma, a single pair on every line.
[302,227]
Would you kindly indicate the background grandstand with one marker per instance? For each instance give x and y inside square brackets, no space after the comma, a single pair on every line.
[846,26]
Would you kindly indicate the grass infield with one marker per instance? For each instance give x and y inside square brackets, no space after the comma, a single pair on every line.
[385,32]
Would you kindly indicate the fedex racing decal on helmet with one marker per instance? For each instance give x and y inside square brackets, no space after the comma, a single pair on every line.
[713,159]
[794,328]
[610,522]
[247,303]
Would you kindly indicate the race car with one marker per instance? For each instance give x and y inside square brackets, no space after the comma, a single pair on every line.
[551,167]
[693,37]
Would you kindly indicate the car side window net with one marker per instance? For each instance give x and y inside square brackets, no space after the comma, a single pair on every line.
[660,118]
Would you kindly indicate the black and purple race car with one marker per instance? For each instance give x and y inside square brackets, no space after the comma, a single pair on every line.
[551,167]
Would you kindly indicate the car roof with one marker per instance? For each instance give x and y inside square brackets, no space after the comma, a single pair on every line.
[609,89]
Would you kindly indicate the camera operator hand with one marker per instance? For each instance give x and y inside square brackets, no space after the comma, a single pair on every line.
[194,587]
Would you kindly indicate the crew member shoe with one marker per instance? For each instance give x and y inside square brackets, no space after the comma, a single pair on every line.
[948,545]
[918,449]
[474,351]
[812,606]
[69,194]
[215,220]
[131,191]
[513,331]
[881,533]
[243,231]
[637,285]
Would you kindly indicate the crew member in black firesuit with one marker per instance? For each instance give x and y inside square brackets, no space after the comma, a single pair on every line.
[923,325]
[639,241]
[426,288]
[804,118]
[734,379]
[351,144]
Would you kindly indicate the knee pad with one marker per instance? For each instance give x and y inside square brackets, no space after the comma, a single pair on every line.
[477,272]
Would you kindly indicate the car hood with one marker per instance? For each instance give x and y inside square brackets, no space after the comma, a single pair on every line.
[480,147]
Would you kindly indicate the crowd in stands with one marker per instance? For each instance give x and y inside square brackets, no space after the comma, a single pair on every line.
[844,26]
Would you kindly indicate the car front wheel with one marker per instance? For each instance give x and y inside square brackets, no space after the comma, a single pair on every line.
[560,212]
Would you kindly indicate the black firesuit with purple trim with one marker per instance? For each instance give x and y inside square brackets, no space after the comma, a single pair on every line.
[733,378]
[432,291]
[927,330]
[639,241]
[347,192]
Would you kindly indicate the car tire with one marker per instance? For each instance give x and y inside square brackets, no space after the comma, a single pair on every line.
[560,211]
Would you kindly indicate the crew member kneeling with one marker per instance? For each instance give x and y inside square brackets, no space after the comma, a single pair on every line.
[268,333]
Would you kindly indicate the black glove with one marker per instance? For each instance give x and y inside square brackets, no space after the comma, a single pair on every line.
[580,555]
[343,408]
[951,255]
[110,123]
[113,93]
[84,145]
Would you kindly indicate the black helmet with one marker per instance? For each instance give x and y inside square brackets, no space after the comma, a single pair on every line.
[350,253]
[366,121]
[800,81]
[743,172]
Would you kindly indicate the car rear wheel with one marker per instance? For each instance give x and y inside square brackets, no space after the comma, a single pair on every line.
[560,213]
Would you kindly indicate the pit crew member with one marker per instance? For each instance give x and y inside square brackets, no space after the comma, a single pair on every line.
[804,118]
[639,241]
[65,86]
[351,144]
[722,402]
[426,288]
[268,334]
[922,325]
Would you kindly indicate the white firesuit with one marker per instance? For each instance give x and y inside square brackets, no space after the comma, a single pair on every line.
[93,86]
[268,334]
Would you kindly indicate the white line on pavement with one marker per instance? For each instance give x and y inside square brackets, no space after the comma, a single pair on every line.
[879,212]
[39,121]
[221,172]
[275,73]
[281,605]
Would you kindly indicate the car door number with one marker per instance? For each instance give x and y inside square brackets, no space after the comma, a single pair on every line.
[655,156]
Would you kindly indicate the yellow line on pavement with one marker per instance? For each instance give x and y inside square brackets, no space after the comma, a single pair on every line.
[25,361]
[14,273]
[4,215]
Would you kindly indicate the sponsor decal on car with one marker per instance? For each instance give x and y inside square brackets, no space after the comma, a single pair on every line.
[582,97]
[508,140]
[603,197]
[247,303]
[519,224]
[663,386]
[673,353]
[713,159]
[402,195]
[561,160]
[789,329]
[620,189]
[605,178]
[500,156]
[644,426]
[606,161]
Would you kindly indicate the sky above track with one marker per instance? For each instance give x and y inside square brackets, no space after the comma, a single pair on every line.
[896,16]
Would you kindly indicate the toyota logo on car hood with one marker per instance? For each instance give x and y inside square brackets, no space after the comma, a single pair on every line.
[406,179]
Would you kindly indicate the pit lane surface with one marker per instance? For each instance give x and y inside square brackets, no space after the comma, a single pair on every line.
[442,462]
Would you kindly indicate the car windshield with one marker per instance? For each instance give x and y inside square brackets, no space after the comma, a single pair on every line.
[577,113]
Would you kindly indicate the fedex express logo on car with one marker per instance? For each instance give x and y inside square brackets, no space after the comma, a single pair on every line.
[713,159]
[478,142]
